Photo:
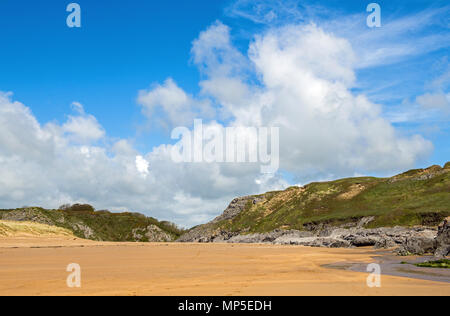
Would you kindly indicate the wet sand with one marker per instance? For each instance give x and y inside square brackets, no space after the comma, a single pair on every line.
[37,266]
[401,266]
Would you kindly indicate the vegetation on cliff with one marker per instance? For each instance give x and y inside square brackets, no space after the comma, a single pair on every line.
[416,197]
[87,223]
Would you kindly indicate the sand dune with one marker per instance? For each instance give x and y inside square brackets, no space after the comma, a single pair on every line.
[37,266]
[31,229]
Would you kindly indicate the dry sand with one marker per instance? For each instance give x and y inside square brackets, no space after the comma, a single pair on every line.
[37,266]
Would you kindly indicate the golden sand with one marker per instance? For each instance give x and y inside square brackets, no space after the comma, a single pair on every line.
[37,266]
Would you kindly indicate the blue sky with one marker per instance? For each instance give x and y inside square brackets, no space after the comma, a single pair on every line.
[126,47]
[121,47]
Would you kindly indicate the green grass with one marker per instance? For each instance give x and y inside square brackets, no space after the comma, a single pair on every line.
[443,264]
[405,200]
[106,226]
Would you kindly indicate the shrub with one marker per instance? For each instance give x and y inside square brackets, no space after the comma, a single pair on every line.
[78,208]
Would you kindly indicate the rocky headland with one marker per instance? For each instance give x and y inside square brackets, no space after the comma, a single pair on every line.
[406,213]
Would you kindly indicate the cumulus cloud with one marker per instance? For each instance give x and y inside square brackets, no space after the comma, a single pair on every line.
[142,165]
[179,108]
[214,53]
[82,127]
[306,76]
[43,165]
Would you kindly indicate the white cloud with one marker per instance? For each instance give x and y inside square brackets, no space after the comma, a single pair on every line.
[42,165]
[399,38]
[142,165]
[438,101]
[306,75]
[20,133]
[83,128]
[180,108]
[78,107]
[215,55]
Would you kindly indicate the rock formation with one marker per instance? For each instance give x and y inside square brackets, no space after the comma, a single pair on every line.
[352,212]
[443,240]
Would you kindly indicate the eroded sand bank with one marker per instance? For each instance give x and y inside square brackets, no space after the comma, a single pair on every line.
[30,266]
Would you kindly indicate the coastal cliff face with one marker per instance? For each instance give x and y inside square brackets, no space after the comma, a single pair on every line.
[443,239]
[208,232]
[401,212]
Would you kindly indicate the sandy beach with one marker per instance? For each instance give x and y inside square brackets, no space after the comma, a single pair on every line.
[37,266]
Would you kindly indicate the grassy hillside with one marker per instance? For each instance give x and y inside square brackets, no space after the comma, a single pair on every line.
[417,197]
[84,222]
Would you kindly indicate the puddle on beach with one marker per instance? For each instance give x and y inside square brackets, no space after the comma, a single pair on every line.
[398,266]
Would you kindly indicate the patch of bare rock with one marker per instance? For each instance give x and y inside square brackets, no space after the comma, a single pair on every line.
[443,240]
[405,240]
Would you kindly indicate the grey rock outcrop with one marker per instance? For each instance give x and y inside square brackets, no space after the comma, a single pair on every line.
[272,237]
[415,240]
[235,208]
[418,245]
[418,240]
[84,230]
[443,240]
[209,232]
[30,214]
[321,242]
[152,233]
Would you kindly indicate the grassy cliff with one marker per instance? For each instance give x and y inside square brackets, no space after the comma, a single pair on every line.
[84,222]
[416,197]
